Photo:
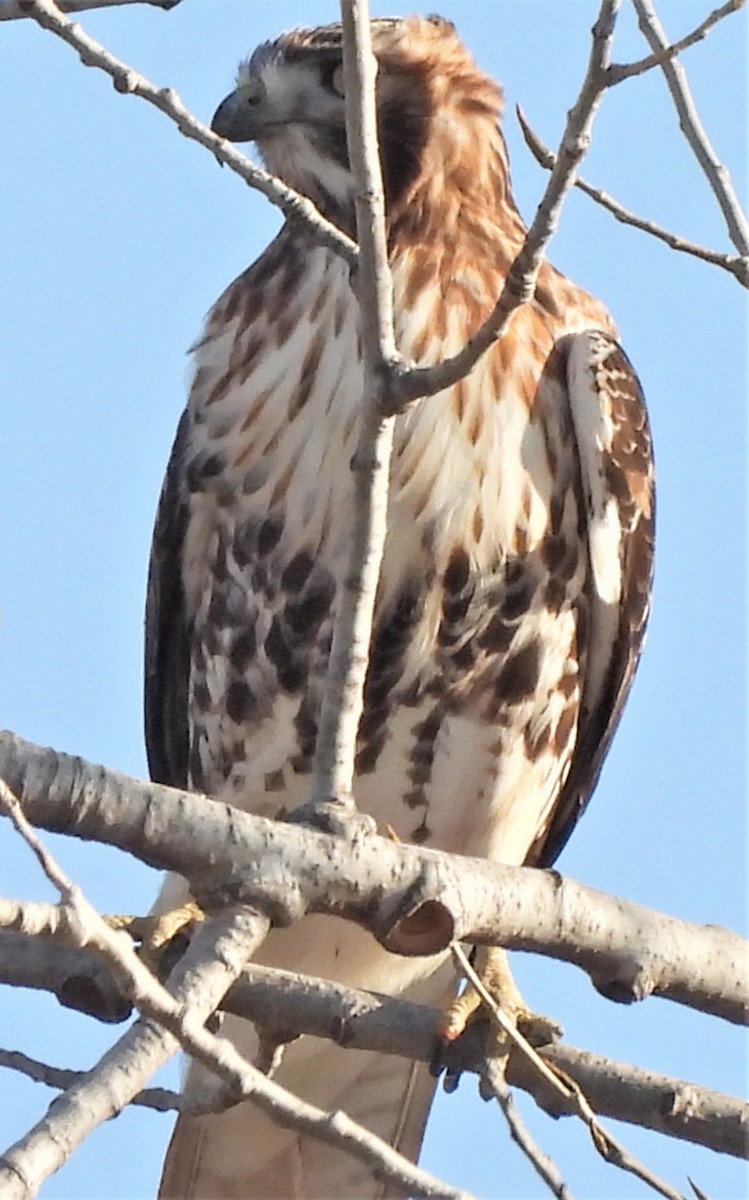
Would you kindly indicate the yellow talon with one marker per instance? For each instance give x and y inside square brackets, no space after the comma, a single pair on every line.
[493,970]
[157,931]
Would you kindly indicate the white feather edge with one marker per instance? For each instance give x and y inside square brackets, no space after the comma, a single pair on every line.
[594,431]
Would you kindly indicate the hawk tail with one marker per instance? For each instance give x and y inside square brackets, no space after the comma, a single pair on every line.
[241,1153]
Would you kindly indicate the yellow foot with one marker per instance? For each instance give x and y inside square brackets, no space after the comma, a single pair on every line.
[496,979]
[162,936]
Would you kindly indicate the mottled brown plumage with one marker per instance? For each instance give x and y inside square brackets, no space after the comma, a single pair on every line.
[514,591]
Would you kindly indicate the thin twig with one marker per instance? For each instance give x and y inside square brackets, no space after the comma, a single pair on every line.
[693,130]
[507,1026]
[607,1146]
[414,382]
[159,1099]
[626,70]
[734,264]
[12,10]
[544,1166]
[128,81]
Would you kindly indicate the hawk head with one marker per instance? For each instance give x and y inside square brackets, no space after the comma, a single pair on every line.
[433,105]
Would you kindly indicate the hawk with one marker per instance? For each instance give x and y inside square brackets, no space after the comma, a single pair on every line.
[515,584]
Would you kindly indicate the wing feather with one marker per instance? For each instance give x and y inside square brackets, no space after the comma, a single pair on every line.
[616,461]
[168,633]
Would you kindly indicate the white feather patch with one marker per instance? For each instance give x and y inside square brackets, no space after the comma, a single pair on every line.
[594,432]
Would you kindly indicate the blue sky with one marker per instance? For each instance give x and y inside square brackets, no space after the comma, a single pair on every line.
[118,236]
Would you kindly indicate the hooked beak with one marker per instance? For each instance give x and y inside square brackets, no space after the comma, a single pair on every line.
[242,116]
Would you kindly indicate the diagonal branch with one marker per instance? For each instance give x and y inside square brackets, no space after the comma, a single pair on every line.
[543,1165]
[212,962]
[129,82]
[410,383]
[693,130]
[201,980]
[182,1017]
[619,72]
[12,10]
[734,264]
[492,1077]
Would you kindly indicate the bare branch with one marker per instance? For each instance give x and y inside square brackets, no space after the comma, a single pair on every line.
[612,1150]
[413,382]
[74,977]
[81,925]
[627,70]
[35,918]
[213,961]
[12,10]
[735,265]
[390,1025]
[184,1018]
[492,1077]
[544,1166]
[333,769]
[628,951]
[128,81]
[159,1099]
[371,1021]
[691,126]
[334,1128]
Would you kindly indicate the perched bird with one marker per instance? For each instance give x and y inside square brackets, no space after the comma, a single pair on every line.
[517,569]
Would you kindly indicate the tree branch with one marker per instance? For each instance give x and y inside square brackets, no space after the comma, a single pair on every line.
[230,856]
[12,10]
[183,1018]
[343,698]
[390,1025]
[734,264]
[492,1078]
[158,1099]
[74,977]
[544,1166]
[410,383]
[214,959]
[128,81]
[619,72]
[692,128]
[100,1094]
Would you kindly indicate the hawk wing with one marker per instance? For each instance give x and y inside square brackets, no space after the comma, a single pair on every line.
[168,643]
[616,462]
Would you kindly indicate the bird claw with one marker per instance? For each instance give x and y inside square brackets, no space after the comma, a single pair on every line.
[162,936]
[537,1028]
[470,1007]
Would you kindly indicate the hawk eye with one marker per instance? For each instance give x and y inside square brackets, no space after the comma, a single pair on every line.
[332,78]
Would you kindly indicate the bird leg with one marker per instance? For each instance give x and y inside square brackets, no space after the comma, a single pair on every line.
[162,935]
[494,973]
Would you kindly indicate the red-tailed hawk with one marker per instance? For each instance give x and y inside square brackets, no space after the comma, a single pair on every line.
[517,568]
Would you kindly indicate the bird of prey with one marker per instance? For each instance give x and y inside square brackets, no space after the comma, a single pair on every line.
[515,584]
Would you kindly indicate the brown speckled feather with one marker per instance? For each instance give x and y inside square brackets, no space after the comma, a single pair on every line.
[513,596]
